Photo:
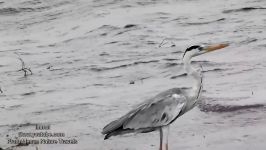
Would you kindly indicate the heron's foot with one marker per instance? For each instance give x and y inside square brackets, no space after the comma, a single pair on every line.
[166,146]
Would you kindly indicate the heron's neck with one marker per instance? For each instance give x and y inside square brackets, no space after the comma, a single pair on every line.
[187,65]
[196,89]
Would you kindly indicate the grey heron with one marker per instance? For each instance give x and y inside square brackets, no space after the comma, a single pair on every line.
[159,112]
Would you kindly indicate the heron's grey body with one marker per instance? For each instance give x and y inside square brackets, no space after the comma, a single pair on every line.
[156,112]
[159,112]
[150,115]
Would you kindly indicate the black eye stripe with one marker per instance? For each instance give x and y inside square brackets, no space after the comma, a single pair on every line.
[191,48]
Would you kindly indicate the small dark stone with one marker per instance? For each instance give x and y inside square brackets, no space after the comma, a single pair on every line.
[104,54]
[49,67]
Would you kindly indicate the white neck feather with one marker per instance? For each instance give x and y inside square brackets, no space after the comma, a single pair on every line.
[196,75]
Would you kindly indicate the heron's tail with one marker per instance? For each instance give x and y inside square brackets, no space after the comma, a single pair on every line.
[112,126]
[118,131]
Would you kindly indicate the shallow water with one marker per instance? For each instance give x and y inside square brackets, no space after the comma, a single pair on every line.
[85,54]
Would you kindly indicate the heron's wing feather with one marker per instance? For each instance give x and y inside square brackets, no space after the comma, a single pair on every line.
[159,113]
[145,114]
[119,122]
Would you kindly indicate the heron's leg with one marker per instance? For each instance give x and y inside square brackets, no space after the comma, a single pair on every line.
[165,136]
[161,139]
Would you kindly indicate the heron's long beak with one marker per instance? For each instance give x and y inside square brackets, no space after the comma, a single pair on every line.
[215,47]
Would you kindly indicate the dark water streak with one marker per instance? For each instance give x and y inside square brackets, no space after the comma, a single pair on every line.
[244,9]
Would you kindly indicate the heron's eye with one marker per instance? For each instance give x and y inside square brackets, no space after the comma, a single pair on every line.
[200,48]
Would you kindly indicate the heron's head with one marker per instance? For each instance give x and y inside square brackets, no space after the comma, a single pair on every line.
[196,50]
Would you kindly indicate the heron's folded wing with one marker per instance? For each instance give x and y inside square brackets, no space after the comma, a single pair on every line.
[119,122]
[156,114]
[163,103]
